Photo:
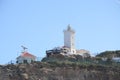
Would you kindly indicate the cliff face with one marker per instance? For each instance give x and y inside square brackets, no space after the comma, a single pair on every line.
[47,71]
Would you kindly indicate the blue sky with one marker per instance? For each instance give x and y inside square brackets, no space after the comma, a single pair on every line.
[39,25]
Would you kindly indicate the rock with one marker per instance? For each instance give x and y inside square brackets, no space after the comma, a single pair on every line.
[66,72]
[25,76]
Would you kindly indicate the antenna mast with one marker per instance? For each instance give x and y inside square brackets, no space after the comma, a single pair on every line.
[24,48]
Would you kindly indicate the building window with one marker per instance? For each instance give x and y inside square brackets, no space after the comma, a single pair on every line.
[25,61]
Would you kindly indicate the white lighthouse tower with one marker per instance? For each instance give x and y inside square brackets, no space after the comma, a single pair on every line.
[69,39]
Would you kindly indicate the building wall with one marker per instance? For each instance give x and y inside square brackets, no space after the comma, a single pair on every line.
[83,52]
[21,59]
[69,39]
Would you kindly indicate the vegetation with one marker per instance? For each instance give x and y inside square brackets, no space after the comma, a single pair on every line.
[77,60]
[59,67]
[109,54]
[59,70]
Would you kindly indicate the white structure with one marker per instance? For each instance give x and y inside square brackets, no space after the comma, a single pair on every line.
[26,57]
[116,59]
[69,45]
[69,39]
[83,52]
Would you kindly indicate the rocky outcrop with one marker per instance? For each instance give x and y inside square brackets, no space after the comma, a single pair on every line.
[53,71]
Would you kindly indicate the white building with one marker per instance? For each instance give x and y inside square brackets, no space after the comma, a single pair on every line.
[69,45]
[26,57]
[69,39]
[116,59]
[83,52]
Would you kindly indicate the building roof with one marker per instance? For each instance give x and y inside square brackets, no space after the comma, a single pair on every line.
[82,51]
[27,54]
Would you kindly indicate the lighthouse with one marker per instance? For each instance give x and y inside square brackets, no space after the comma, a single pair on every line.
[69,46]
[69,39]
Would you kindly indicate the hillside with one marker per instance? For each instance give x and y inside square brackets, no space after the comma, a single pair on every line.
[109,54]
[49,71]
[58,67]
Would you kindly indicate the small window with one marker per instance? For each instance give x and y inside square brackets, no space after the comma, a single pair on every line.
[25,61]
